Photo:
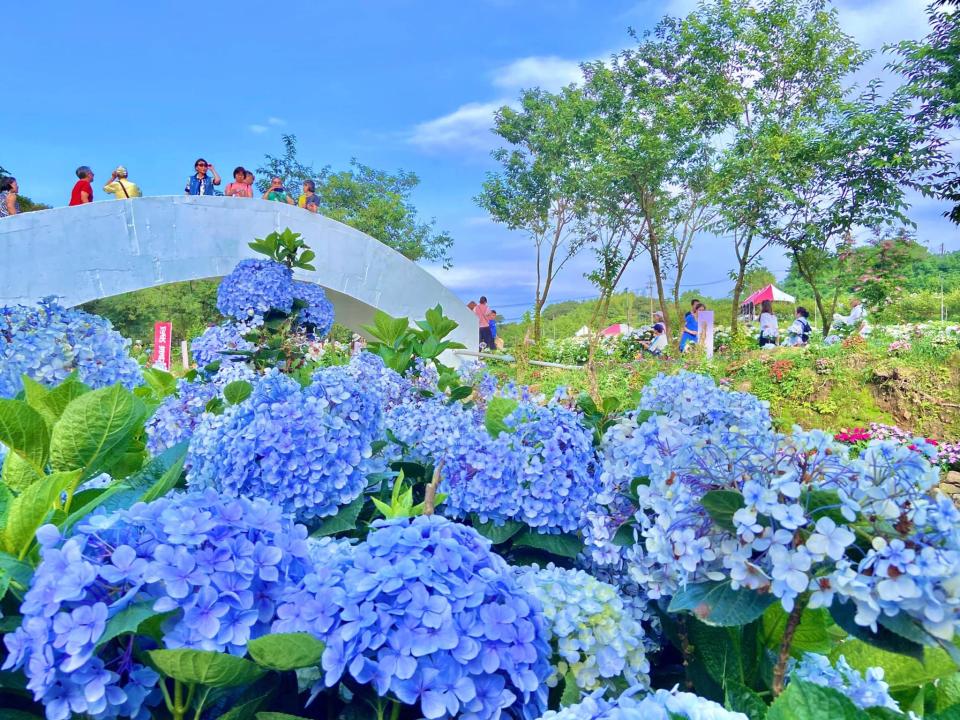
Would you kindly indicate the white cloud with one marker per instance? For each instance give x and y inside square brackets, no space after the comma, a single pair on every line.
[883,21]
[550,73]
[258,129]
[276,121]
[492,275]
[467,127]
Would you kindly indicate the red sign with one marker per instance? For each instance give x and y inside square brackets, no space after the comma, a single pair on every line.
[162,332]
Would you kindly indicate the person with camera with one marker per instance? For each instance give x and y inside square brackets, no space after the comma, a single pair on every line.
[200,183]
[277,193]
[121,188]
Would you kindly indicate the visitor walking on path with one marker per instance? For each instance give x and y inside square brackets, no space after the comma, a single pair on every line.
[482,311]
[200,183]
[82,192]
[239,186]
[309,200]
[799,331]
[769,332]
[690,327]
[277,193]
[9,205]
[120,186]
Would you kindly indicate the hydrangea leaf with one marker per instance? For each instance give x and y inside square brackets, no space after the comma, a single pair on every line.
[844,613]
[571,692]
[716,603]
[160,382]
[721,505]
[811,635]
[92,426]
[245,710]
[900,671]
[24,431]
[808,701]
[344,521]
[496,533]
[198,667]
[720,651]
[237,391]
[567,546]
[19,474]
[740,698]
[497,409]
[286,651]
[31,508]
[127,621]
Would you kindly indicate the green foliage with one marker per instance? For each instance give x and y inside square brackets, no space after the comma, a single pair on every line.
[372,201]
[807,701]
[716,603]
[399,344]
[401,501]
[285,247]
[286,651]
[199,667]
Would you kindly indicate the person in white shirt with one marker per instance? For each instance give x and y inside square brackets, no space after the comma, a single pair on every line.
[857,319]
[659,343]
[769,333]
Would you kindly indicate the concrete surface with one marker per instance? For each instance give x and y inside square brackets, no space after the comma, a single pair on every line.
[116,246]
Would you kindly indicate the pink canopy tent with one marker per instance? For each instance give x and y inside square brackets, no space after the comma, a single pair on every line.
[770,292]
[617,329]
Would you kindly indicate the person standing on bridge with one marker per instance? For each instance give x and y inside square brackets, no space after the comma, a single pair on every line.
[200,183]
[239,186]
[309,199]
[121,188]
[83,189]
[277,192]
[8,196]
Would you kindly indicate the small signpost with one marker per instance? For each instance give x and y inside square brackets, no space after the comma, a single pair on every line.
[162,332]
[705,336]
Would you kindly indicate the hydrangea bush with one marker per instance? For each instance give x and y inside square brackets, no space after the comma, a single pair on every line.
[216,340]
[425,612]
[319,310]
[48,342]
[254,287]
[305,449]
[593,635]
[212,568]
[866,690]
[634,705]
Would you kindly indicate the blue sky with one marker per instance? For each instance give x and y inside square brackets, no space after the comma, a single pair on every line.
[396,84]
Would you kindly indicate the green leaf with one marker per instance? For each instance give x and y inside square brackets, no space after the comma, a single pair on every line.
[951,713]
[171,476]
[900,671]
[721,506]
[92,427]
[625,535]
[461,393]
[843,614]
[34,393]
[160,382]
[19,474]
[807,701]
[716,603]
[127,621]
[198,667]
[286,651]
[32,508]
[567,546]
[19,715]
[823,503]
[719,650]
[740,698]
[948,692]
[245,710]
[6,498]
[15,571]
[344,521]
[25,432]
[496,533]
[571,691]
[811,635]
[237,391]
[497,409]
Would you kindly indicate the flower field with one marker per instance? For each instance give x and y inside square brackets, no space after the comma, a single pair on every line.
[279,534]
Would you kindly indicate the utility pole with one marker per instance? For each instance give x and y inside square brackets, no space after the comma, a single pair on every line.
[943,308]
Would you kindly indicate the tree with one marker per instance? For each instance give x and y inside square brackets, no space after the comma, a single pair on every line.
[848,169]
[539,187]
[372,201]
[691,215]
[770,65]
[653,145]
[932,69]
[757,278]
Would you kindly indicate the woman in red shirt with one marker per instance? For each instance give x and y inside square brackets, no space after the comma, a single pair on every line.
[83,190]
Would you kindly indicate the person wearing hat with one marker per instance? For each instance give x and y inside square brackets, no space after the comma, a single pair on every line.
[121,188]
[658,344]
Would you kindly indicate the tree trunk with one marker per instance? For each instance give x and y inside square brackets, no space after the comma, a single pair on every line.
[825,318]
[653,248]
[737,292]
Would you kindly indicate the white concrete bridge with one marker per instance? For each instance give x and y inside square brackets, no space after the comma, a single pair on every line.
[107,248]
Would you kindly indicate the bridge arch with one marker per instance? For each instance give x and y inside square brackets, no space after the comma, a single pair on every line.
[112,247]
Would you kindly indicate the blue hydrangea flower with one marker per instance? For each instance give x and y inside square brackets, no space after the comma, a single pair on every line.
[179,414]
[48,342]
[865,690]
[253,287]
[319,310]
[634,705]
[217,339]
[424,611]
[305,449]
[216,568]
[593,634]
